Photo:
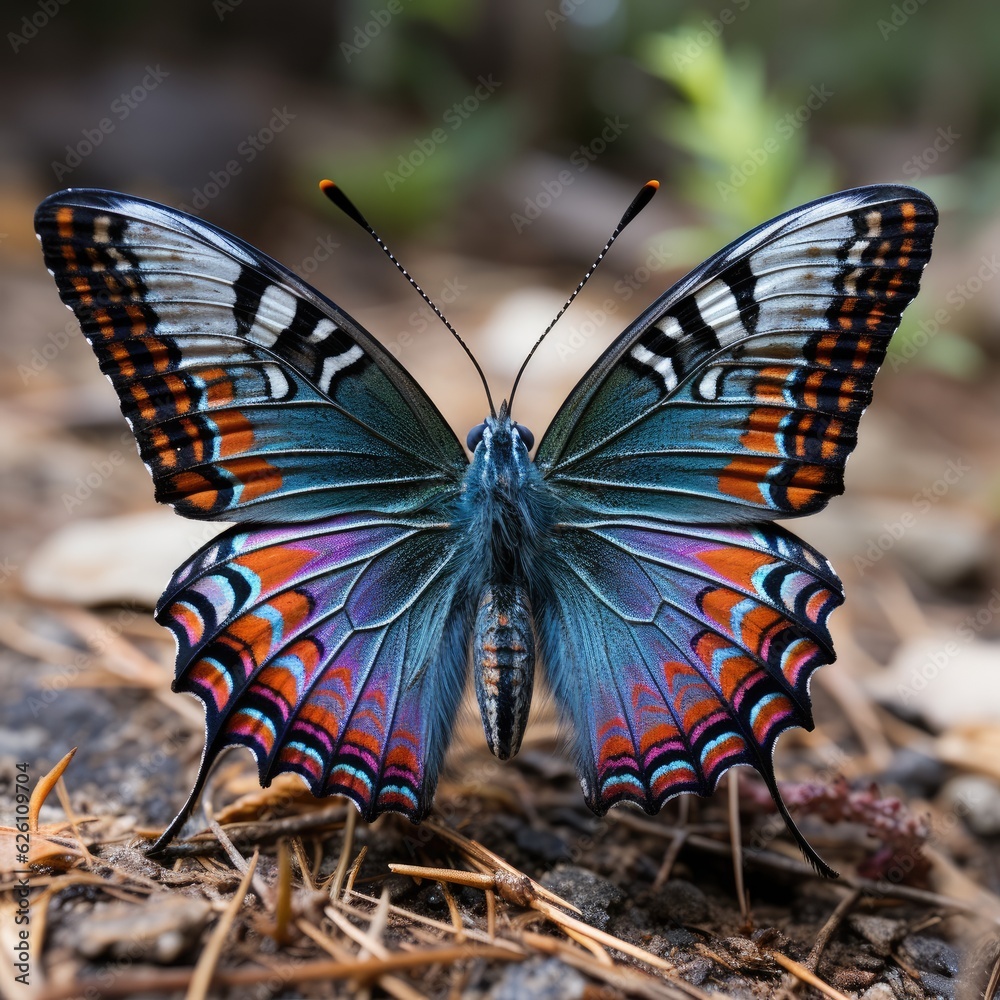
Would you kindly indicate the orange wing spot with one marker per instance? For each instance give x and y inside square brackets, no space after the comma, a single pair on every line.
[281,681]
[738,566]
[705,649]
[699,711]
[727,748]
[293,607]
[734,674]
[207,675]
[194,488]
[120,353]
[257,476]
[403,756]
[757,623]
[180,392]
[718,604]
[802,436]
[189,619]
[909,212]
[846,395]
[804,485]
[831,439]
[742,478]
[762,428]
[165,452]
[769,713]
[235,430]
[276,565]
[827,344]
[363,740]
[253,634]
[655,736]
[139,393]
[810,393]
[770,384]
[104,321]
[156,349]
[137,320]
[195,440]
[875,317]
[64,221]
[816,603]
[82,288]
[218,386]
[860,358]
[253,728]
[616,747]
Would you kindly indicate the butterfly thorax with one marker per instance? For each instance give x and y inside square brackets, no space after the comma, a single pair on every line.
[509,513]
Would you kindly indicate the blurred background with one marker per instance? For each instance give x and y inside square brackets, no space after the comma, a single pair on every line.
[494,145]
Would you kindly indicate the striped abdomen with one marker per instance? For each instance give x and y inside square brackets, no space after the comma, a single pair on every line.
[503,652]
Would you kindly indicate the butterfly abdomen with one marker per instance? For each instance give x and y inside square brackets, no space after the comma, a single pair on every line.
[503,654]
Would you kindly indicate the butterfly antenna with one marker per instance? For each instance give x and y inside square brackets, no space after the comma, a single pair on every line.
[639,202]
[337,196]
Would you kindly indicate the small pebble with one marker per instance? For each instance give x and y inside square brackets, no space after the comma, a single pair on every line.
[540,979]
[915,773]
[679,902]
[880,991]
[596,897]
[977,800]
[942,987]
[930,954]
[880,932]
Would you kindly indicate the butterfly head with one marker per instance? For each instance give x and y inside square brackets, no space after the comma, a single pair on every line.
[500,432]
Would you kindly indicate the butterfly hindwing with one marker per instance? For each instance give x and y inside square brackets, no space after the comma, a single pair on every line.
[328,649]
[679,651]
[736,396]
[252,397]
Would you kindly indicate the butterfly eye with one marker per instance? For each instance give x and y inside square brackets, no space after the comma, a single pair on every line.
[475,436]
[525,435]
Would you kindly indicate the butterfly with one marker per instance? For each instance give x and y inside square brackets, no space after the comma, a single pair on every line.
[373,559]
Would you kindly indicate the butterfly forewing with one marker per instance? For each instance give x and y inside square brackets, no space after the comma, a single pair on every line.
[251,396]
[736,396]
